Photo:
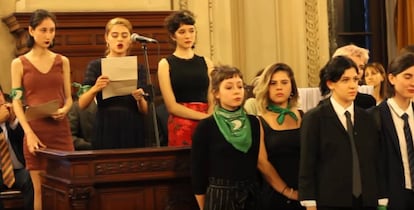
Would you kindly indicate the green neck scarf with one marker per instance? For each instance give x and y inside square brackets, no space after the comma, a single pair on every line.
[282,113]
[235,127]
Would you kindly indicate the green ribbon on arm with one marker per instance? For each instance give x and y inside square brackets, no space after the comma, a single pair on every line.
[81,88]
[17,93]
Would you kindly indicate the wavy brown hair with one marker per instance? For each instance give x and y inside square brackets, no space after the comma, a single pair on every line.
[261,90]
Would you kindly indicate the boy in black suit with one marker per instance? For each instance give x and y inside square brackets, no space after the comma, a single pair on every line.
[360,57]
[395,120]
[339,165]
[12,132]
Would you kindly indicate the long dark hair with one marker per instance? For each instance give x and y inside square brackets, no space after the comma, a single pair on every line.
[36,19]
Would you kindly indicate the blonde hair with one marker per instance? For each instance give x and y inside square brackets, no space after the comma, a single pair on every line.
[352,50]
[262,88]
[113,22]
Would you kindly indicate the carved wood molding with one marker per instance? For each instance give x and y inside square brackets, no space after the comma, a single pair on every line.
[19,33]
[183,4]
[138,166]
[80,193]
[312,41]
[211,28]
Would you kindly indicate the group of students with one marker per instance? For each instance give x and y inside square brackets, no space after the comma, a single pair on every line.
[41,76]
[335,156]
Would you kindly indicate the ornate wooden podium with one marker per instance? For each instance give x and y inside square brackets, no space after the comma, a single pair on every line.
[126,179]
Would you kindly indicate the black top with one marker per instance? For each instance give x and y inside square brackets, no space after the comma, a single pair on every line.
[364,100]
[119,124]
[189,78]
[283,151]
[213,156]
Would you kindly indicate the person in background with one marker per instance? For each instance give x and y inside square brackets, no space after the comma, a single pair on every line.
[374,75]
[184,80]
[119,120]
[38,77]
[250,104]
[228,149]
[340,165]
[360,57]
[12,133]
[406,49]
[82,124]
[395,120]
[277,98]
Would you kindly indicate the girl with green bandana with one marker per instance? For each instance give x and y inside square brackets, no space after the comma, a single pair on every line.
[277,97]
[228,148]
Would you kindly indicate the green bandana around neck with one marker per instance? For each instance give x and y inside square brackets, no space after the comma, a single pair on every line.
[282,113]
[235,127]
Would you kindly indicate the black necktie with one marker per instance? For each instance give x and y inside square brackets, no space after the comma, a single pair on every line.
[356,176]
[410,147]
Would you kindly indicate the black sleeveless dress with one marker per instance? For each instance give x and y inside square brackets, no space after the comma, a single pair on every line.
[283,150]
[118,123]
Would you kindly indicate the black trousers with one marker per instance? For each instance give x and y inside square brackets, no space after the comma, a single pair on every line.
[405,202]
[356,205]
[23,182]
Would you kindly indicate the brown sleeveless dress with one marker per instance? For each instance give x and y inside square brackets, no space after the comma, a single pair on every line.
[40,88]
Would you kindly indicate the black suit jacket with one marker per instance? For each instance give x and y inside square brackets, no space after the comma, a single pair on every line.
[325,173]
[365,101]
[391,154]
[82,124]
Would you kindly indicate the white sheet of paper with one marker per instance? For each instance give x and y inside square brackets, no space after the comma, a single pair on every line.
[122,73]
[41,110]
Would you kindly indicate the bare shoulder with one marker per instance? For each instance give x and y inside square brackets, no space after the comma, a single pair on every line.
[163,61]
[65,59]
[163,65]
[16,63]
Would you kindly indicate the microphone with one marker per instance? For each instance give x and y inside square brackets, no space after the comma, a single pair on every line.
[138,38]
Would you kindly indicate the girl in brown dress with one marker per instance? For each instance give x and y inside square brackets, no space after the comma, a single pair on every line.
[38,77]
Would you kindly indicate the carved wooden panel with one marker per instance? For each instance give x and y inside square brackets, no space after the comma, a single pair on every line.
[127,179]
[80,37]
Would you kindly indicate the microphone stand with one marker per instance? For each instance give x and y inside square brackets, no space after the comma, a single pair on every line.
[151,95]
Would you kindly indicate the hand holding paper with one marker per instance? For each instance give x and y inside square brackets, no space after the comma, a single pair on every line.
[122,73]
[42,110]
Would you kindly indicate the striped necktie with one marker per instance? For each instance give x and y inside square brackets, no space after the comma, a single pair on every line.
[6,164]
[410,147]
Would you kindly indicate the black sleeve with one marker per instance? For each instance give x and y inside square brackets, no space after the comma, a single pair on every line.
[200,156]
[92,73]
[381,154]
[309,144]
